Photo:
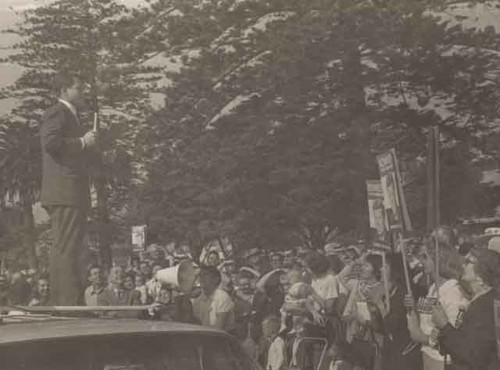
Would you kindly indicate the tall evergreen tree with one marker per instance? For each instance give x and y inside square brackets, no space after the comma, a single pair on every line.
[104,41]
[273,122]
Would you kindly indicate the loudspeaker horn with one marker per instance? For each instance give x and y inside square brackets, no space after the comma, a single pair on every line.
[181,276]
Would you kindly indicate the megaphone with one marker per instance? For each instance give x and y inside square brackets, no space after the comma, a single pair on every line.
[181,276]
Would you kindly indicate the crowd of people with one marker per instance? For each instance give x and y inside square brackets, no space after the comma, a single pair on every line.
[349,306]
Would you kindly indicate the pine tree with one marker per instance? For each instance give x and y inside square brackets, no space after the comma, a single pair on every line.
[274,119]
[105,42]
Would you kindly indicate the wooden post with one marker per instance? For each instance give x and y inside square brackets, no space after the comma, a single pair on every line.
[436,268]
[386,284]
[407,273]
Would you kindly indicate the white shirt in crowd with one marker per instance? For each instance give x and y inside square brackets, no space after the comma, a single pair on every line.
[276,355]
[143,291]
[452,299]
[206,308]
[327,287]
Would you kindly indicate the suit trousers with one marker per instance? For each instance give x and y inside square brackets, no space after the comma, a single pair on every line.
[67,255]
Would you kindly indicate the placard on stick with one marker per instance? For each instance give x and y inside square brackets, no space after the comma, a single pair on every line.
[139,237]
[392,189]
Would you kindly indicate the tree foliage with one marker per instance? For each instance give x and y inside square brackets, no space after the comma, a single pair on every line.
[272,124]
[103,41]
[274,110]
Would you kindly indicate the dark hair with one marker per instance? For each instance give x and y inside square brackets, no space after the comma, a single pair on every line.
[264,264]
[445,235]
[135,258]
[450,261]
[64,80]
[465,248]
[396,268]
[91,267]
[279,255]
[130,274]
[212,271]
[273,319]
[376,261]
[487,267]
[336,263]
[318,264]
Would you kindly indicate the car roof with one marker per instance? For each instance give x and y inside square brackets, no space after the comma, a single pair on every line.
[65,328]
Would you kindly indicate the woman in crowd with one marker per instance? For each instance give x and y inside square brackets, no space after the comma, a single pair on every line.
[363,336]
[325,290]
[451,296]
[140,286]
[472,343]
[129,280]
[41,294]
[325,285]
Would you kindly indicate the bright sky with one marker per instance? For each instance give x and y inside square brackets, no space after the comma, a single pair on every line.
[8,9]
[25,4]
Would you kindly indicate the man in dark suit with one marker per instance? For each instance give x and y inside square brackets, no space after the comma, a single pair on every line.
[116,295]
[66,148]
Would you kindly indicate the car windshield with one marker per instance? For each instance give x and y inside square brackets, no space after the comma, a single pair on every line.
[172,352]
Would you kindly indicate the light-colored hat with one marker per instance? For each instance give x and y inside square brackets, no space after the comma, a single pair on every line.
[494,244]
[492,231]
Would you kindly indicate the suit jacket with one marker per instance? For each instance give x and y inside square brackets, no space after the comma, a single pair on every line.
[65,178]
[108,297]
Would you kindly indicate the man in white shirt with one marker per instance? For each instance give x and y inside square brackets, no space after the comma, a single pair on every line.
[96,285]
[213,307]
[153,286]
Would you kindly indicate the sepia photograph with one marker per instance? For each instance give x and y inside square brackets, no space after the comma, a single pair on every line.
[249,184]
